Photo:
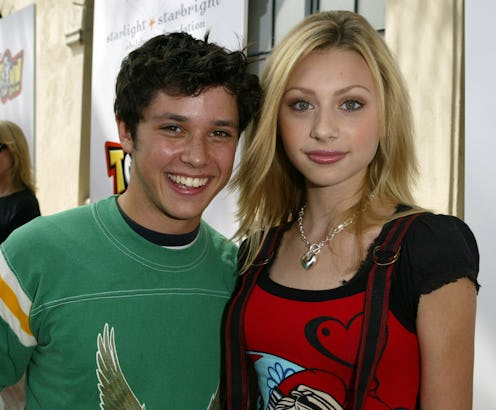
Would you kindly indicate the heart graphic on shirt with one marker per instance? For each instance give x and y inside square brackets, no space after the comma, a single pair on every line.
[334,338]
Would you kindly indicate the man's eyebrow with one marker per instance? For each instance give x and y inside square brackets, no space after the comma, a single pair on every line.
[183,118]
[225,123]
[170,116]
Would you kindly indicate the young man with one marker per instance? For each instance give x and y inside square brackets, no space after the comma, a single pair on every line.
[118,304]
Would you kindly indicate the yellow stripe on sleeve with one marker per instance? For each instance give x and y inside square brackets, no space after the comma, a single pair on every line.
[15,305]
[10,300]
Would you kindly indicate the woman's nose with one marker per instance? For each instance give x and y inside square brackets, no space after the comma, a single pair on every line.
[324,126]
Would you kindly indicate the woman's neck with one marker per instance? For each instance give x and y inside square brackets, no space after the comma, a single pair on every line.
[329,206]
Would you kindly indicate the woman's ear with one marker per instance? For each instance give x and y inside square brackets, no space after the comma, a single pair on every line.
[125,138]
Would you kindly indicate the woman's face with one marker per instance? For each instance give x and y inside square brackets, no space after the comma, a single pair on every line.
[329,118]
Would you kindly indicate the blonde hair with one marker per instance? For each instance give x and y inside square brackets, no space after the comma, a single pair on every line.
[12,136]
[271,190]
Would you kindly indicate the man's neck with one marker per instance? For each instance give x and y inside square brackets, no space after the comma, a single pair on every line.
[159,238]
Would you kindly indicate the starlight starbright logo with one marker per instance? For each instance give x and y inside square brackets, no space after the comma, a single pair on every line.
[10,75]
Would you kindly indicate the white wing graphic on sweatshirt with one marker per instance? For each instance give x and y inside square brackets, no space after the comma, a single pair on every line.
[115,392]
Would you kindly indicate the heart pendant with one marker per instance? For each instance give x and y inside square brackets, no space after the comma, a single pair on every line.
[308,260]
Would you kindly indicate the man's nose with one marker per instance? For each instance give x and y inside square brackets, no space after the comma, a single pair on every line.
[195,151]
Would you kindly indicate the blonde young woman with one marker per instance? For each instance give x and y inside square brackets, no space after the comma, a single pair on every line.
[326,172]
[18,203]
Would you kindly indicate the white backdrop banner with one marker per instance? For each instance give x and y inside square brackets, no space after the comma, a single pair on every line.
[123,25]
[480,195]
[17,62]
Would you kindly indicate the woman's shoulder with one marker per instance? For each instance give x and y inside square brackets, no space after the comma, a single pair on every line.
[26,196]
[440,248]
[433,229]
[436,250]
[441,231]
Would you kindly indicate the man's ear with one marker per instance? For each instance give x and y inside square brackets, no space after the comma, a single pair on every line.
[125,138]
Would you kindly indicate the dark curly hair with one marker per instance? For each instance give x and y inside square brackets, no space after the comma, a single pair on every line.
[178,64]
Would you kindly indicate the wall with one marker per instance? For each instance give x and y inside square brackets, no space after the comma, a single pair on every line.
[456,173]
[431,61]
[480,89]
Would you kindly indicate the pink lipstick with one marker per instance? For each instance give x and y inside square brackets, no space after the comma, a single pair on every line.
[325,157]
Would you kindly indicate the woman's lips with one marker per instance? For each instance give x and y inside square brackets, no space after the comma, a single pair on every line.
[325,157]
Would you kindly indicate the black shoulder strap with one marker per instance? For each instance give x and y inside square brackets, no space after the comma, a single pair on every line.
[377,305]
[235,359]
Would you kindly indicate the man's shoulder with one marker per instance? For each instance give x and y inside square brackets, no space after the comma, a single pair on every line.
[66,221]
[223,248]
[218,238]
[62,218]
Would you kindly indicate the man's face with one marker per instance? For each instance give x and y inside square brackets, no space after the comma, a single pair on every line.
[182,157]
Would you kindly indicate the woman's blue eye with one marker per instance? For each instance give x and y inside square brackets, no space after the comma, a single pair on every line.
[351,105]
[302,105]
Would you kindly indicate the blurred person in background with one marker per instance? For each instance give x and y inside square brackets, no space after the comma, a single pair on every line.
[18,203]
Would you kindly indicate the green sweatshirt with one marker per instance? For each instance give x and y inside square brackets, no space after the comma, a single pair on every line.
[99,316]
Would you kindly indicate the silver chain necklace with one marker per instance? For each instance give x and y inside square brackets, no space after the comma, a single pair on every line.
[309,258]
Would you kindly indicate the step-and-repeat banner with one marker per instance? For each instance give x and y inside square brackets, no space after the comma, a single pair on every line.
[123,25]
[17,62]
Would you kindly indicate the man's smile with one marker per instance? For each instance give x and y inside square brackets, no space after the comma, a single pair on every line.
[189,182]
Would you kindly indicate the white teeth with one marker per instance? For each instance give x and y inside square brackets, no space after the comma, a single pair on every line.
[188,181]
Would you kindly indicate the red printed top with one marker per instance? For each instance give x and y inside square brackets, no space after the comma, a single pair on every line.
[303,344]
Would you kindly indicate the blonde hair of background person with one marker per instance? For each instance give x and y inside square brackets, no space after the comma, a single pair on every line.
[274,194]
[21,175]
[272,191]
